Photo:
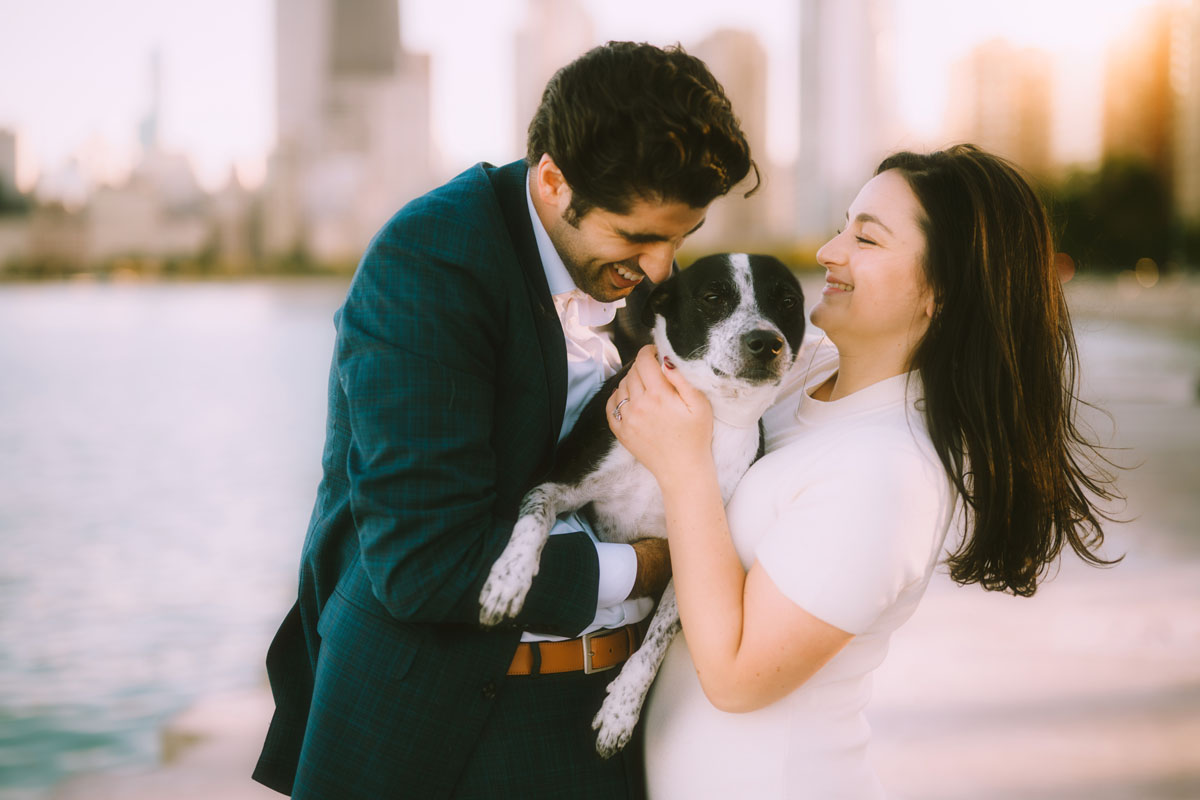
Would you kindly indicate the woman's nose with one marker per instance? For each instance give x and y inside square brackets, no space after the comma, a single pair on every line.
[831,252]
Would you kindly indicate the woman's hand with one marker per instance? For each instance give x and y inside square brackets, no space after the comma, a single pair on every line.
[661,419]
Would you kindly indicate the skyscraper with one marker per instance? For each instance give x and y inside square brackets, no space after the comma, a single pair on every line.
[555,33]
[352,116]
[1001,99]
[1138,117]
[738,60]
[148,129]
[8,163]
[1185,78]
[846,118]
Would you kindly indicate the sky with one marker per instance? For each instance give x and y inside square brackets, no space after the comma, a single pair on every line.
[76,72]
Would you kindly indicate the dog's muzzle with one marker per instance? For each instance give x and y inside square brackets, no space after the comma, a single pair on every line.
[762,346]
[761,356]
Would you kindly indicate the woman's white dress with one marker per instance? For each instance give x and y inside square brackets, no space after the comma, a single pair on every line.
[847,513]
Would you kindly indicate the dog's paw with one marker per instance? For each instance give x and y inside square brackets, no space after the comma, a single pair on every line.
[507,585]
[618,716]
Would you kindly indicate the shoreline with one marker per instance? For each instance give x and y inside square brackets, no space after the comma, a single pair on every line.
[207,751]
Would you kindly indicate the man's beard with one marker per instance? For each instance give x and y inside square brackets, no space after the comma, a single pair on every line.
[593,279]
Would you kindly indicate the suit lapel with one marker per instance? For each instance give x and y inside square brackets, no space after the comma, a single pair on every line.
[509,184]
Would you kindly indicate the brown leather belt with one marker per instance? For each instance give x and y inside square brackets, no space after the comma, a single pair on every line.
[592,652]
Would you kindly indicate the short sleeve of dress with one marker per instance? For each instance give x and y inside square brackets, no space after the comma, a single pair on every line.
[846,545]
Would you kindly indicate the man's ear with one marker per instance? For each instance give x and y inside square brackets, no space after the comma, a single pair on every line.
[552,188]
[660,298]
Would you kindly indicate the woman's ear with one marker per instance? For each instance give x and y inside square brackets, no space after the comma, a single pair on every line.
[932,304]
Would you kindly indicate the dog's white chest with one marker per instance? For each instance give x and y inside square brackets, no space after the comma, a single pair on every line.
[628,502]
[734,450]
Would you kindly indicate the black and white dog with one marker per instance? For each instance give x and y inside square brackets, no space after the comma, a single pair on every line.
[732,325]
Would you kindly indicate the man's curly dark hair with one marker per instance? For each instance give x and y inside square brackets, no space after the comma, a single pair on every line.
[628,121]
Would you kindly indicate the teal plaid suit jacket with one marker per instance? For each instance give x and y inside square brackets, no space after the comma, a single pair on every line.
[446,394]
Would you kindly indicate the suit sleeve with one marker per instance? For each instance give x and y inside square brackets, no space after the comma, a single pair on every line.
[418,345]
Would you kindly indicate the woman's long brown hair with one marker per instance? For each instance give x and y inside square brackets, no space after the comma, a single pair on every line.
[998,365]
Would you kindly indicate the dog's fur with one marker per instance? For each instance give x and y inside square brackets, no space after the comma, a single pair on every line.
[731,324]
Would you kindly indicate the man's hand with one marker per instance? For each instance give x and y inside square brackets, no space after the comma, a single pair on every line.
[653,568]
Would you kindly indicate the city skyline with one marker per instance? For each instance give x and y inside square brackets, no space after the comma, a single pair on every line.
[218,75]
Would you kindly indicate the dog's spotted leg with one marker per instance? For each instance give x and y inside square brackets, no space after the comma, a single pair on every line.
[621,708]
[511,576]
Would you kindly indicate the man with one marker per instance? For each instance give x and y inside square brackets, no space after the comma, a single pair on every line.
[465,349]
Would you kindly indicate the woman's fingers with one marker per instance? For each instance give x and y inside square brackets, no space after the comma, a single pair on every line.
[690,394]
[611,405]
[633,386]
[648,370]
[638,373]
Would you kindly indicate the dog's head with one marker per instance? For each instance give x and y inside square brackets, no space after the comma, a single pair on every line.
[732,322]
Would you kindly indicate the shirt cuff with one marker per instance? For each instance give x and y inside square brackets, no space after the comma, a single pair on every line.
[618,570]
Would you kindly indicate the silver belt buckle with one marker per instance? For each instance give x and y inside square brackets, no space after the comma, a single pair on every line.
[588,669]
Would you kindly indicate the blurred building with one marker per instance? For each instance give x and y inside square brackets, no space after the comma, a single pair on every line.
[1139,106]
[555,33]
[352,117]
[58,235]
[14,228]
[1185,78]
[234,221]
[14,240]
[65,184]
[159,212]
[1001,98]
[8,163]
[156,214]
[847,120]
[739,61]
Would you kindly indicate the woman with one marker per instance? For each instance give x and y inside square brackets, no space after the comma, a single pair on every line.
[944,397]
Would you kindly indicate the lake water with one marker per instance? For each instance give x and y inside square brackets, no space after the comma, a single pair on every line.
[159,453]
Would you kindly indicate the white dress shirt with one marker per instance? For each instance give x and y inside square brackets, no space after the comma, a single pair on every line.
[591,358]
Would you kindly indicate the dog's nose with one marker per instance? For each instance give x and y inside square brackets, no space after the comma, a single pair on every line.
[762,345]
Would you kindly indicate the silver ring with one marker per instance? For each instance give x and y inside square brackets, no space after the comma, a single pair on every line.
[617,410]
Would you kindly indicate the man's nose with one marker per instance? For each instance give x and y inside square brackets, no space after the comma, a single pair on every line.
[656,262]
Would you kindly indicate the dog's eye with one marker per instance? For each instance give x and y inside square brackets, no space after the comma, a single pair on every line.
[712,298]
[788,302]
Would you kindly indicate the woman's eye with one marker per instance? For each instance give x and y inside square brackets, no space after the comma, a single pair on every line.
[864,240]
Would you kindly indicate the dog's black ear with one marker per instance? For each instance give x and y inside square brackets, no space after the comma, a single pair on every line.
[659,299]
